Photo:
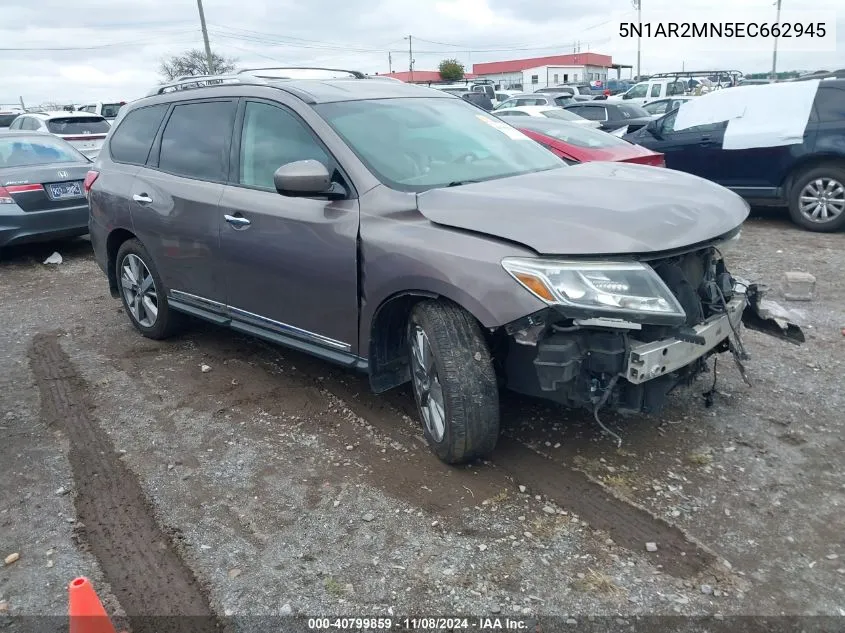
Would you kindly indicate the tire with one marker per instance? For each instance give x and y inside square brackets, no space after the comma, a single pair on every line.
[829,180]
[133,256]
[461,370]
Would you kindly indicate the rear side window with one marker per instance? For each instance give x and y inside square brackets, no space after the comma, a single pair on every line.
[195,141]
[78,125]
[133,138]
[655,90]
[830,104]
[6,119]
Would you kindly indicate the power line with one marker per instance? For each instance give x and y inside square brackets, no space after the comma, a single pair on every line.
[95,47]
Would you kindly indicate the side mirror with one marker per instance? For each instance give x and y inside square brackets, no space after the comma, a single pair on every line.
[653,128]
[302,178]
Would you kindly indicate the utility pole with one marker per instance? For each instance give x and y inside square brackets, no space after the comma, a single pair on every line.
[390,61]
[638,4]
[410,57]
[205,38]
[775,53]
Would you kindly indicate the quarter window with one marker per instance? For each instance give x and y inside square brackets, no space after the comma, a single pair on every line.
[273,137]
[195,141]
[133,138]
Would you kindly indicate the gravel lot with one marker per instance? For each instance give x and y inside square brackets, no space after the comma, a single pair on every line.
[277,484]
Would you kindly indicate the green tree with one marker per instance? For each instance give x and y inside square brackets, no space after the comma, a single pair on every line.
[194,62]
[451,70]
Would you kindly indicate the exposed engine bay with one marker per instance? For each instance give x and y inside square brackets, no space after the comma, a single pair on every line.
[591,361]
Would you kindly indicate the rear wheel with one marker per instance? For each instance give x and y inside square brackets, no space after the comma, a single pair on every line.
[817,199]
[454,382]
[142,292]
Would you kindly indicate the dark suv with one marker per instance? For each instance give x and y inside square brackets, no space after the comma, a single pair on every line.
[807,177]
[404,232]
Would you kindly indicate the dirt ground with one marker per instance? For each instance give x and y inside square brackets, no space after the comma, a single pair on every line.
[276,484]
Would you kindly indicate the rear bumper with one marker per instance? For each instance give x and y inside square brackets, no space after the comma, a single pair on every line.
[19,227]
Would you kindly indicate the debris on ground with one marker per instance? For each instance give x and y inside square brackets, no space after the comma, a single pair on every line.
[11,558]
[798,286]
[651,547]
[55,258]
[205,368]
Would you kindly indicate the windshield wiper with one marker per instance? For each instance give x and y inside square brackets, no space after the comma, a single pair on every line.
[458,183]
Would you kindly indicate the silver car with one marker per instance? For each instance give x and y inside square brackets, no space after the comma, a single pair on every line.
[85,131]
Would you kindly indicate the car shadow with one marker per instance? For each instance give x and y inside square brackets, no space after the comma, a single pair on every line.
[36,253]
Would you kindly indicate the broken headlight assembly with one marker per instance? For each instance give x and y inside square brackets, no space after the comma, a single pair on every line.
[629,290]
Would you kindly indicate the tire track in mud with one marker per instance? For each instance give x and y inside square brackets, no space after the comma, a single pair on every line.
[628,525]
[146,573]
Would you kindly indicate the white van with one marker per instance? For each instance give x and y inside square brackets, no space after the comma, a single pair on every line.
[106,110]
[645,91]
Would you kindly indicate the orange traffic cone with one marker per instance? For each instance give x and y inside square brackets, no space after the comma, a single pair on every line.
[87,614]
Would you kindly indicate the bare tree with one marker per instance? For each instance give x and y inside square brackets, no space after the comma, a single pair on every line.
[194,62]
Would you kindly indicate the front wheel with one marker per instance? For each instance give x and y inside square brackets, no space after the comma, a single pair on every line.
[817,199]
[454,382]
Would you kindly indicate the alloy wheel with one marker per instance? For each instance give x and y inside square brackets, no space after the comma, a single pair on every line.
[822,200]
[427,385]
[139,290]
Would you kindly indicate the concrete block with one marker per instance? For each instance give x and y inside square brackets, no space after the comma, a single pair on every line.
[798,286]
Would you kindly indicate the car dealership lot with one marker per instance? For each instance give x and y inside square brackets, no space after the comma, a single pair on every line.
[279,483]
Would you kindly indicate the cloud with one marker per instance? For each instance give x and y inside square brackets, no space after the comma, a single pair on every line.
[91,50]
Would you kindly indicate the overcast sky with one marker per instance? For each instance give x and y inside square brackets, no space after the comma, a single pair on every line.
[110,50]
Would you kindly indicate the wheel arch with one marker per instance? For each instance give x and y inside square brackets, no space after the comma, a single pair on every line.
[113,243]
[806,164]
[387,330]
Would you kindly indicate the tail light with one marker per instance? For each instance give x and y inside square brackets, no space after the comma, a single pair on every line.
[7,191]
[90,177]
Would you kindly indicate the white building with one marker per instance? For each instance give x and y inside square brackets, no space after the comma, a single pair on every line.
[542,72]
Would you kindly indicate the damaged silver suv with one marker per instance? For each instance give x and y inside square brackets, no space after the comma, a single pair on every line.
[404,232]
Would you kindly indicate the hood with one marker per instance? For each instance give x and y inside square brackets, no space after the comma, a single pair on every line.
[595,208]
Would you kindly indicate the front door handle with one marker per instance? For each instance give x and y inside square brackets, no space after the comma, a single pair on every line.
[142,198]
[236,220]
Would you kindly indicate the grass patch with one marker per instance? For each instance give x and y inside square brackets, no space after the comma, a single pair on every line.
[333,587]
[596,582]
[700,459]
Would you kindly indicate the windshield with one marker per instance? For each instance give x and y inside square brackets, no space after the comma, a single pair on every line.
[110,110]
[563,115]
[20,152]
[416,144]
[577,135]
[6,119]
[78,125]
[632,111]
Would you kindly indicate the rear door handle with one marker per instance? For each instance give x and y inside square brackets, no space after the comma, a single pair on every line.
[142,198]
[236,220]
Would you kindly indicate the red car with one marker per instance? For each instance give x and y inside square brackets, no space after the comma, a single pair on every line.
[578,144]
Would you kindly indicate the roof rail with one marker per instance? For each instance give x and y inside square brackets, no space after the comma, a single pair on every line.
[188,82]
[835,74]
[696,73]
[252,71]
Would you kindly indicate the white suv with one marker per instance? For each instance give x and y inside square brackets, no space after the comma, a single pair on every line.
[86,132]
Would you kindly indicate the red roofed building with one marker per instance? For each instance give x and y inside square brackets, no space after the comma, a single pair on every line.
[421,76]
[541,72]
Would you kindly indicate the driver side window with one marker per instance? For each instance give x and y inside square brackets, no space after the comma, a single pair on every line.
[273,137]
[667,125]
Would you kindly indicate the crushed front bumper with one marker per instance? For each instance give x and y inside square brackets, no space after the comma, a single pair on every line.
[647,361]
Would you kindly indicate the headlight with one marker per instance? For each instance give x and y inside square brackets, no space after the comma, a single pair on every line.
[605,287]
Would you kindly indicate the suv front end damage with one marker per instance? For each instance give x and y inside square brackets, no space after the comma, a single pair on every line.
[622,335]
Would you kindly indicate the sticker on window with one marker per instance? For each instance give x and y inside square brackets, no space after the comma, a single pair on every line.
[504,128]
